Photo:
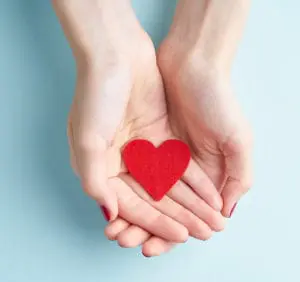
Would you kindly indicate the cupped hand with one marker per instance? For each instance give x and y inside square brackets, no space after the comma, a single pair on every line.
[119,97]
[205,112]
[195,61]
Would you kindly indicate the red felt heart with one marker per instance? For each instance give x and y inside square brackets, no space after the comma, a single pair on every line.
[156,169]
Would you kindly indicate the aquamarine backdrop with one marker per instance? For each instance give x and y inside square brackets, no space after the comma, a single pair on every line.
[51,232]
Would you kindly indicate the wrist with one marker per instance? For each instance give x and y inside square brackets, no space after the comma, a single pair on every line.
[175,56]
[209,29]
[94,28]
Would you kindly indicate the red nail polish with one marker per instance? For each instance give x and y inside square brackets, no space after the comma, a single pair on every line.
[105,213]
[232,210]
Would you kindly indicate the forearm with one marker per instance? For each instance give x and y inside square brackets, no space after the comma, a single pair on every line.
[93,27]
[211,27]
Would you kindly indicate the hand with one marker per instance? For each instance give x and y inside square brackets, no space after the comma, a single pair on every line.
[195,62]
[205,112]
[123,77]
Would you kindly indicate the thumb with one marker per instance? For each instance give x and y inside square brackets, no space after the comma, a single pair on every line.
[93,128]
[238,168]
[91,167]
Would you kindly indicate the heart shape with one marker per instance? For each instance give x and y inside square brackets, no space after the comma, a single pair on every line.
[156,169]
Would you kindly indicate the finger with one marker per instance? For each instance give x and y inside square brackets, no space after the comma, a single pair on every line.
[196,227]
[232,193]
[114,228]
[91,156]
[239,171]
[197,206]
[138,212]
[152,246]
[132,237]
[156,246]
[195,177]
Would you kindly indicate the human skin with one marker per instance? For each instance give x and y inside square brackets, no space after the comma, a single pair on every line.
[195,61]
[120,96]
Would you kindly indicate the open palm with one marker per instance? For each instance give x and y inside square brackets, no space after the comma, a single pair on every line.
[119,96]
[204,112]
[118,105]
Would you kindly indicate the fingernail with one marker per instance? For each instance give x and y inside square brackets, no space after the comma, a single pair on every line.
[232,210]
[105,213]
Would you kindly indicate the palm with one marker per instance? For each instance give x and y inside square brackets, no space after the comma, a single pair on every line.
[120,104]
[205,113]
[107,112]
[145,116]
[117,104]
[119,97]
[204,123]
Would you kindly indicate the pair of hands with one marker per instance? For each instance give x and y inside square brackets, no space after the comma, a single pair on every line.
[125,91]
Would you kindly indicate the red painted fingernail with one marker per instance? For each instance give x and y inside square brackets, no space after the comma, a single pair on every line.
[105,213]
[232,210]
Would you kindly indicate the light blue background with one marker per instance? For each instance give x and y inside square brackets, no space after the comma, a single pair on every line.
[51,232]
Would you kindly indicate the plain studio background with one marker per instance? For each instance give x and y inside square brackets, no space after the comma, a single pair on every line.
[51,232]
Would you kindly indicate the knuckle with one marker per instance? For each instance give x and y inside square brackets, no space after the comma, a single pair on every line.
[160,220]
[90,142]
[133,202]
[90,186]
[195,204]
[137,207]
[240,142]
[156,220]
[190,221]
[85,144]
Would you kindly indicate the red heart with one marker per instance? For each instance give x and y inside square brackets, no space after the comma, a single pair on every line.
[156,169]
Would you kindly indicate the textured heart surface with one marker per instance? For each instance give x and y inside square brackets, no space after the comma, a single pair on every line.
[156,169]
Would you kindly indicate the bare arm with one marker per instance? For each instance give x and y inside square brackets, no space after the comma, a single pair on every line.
[211,27]
[94,28]
[195,61]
